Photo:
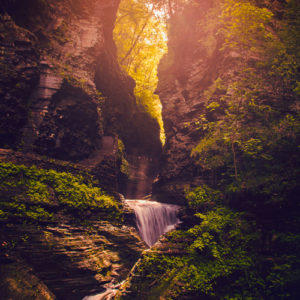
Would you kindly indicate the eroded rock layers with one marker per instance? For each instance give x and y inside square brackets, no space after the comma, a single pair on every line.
[62,92]
[63,96]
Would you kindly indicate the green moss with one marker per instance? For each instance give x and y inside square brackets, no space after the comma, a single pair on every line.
[81,83]
[219,257]
[124,167]
[28,192]
[211,251]
[60,33]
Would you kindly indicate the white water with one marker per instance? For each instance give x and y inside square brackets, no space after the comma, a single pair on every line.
[153,218]
[110,292]
[107,295]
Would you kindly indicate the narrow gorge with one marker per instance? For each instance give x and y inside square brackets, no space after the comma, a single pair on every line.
[149,149]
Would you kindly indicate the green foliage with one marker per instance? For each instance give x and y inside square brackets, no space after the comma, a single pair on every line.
[82,84]
[59,34]
[140,36]
[214,250]
[121,155]
[251,131]
[221,257]
[245,24]
[250,128]
[202,197]
[251,119]
[34,193]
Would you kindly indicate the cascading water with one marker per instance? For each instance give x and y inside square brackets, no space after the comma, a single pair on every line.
[153,218]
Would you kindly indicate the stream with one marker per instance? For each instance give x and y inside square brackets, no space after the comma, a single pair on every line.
[153,219]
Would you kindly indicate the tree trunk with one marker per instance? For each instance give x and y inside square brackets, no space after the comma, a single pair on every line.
[234,161]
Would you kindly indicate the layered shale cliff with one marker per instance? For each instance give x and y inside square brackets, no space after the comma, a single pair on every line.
[62,92]
[201,68]
[68,110]
[192,64]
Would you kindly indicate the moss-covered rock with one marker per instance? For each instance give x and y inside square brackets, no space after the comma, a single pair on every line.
[61,234]
[221,254]
[33,193]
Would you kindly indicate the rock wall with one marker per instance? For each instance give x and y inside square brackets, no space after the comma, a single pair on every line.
[61,87]
[57,43]
[73,254]
[63,96]
[192,64]
[65,260]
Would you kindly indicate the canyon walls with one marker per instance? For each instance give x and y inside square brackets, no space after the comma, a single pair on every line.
[229,87]
[205,61]
[191,65]
[66,107]
[62,91]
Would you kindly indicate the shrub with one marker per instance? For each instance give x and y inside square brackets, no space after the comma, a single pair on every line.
[32,193]
[203,197]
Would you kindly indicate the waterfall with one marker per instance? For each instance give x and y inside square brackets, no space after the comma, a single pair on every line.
[111,290]
[153,218]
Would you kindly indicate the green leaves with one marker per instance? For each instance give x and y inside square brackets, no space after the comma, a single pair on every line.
[245,25]
[214,251]
[252,115]
[222,256]
[203,197]
[250,126]
[140,36]
[28,192]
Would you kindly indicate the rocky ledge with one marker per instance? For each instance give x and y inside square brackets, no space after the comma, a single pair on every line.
[65,260]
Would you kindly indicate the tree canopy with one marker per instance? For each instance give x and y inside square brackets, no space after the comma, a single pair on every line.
[141,38]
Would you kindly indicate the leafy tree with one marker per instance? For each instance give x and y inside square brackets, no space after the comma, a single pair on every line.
[140,36]
[248,132]
[251,133]
[245,25]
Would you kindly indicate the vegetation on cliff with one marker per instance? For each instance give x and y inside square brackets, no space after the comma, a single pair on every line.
[60,233]
[251,118]
[29,193]
[224,255]
[241,237]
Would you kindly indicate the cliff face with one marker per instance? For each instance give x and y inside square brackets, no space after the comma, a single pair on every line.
[188,83]
[61,88]
[208,65]
[65,260]
[53,250]
[61,114]
[189,68]
[63,96]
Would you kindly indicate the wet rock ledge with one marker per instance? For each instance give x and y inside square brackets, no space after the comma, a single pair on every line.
[65,260]
[70,255]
